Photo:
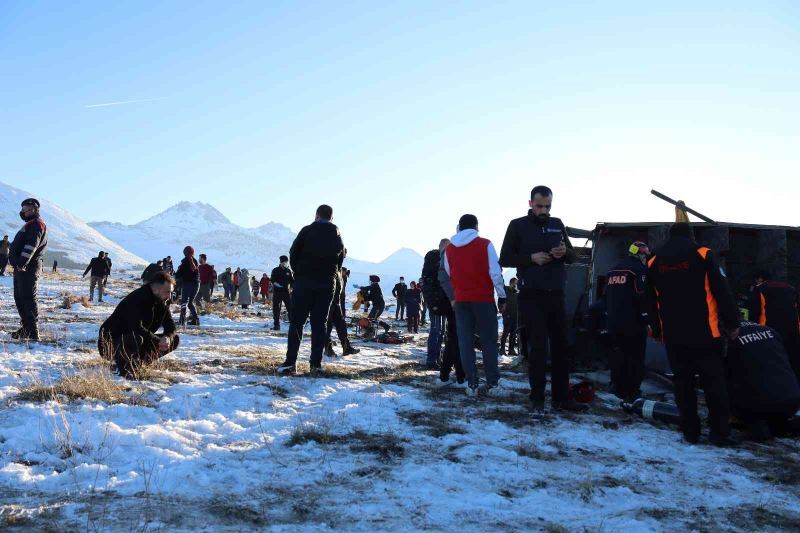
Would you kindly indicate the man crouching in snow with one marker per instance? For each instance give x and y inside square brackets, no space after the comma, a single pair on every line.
[128,336]
[475,274]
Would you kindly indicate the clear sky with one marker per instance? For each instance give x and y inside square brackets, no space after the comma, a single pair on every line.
[403,115]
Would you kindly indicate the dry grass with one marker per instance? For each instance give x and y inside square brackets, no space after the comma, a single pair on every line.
[70,299]
[222,309]
[387,446]
[164,370]
[87,384]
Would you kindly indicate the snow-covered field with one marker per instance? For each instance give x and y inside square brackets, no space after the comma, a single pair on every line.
[212,440]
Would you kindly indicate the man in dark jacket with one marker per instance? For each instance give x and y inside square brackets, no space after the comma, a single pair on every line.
[316,257]
[151,270]
[108,273]
[538,246]
[129,336]
[763,389]
[99,269]
[691,308]
[399,292]
[775,304]
[336,319]
[375,297]
[4,248]
[226,278]
[26,255]
[510,319]
[282,279]
[438,292]
[626,321]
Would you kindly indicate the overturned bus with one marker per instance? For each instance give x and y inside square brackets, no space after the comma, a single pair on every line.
[741,248]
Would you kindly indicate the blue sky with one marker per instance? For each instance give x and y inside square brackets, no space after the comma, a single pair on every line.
[403,116]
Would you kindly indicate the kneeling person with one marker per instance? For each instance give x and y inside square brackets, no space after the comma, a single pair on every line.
[129,337]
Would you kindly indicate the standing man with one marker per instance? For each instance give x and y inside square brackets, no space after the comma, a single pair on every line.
[226,278]
[538,246]
[626,309]
[207,279]
[317,254]
[282,279]
[775,304]
[108,270]
[691,307]
[438,292]
[510,319]
[336,319]
[399,292]
[26,255]
[4,248]
[99,269]
[475,274]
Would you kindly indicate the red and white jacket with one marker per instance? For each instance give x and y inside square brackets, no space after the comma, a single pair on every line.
[475,273]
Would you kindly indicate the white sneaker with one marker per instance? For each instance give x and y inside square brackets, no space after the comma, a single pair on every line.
[501,389]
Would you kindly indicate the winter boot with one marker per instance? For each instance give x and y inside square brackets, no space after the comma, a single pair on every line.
[194,321]
[182,319]
[329,350]
[19,334]
[348,349]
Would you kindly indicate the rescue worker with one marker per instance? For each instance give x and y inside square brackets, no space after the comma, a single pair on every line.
[282,279]
[626,321]
[399,292]
[537,245]
[691,308]
[128,337]
[316,257]
[99,269]
[26,256]
[775,304]
[764,391]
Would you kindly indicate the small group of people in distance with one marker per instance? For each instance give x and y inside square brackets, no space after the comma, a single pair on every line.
[677,295]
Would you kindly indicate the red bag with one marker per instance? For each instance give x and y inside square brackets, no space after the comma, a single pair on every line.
[582,392]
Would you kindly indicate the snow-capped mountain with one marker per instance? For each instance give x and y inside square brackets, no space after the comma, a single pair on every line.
[70,240]
[208,231]
[404,262]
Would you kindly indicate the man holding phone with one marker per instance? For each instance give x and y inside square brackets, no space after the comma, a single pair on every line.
[537,245]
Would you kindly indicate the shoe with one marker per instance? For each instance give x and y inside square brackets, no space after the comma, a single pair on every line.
[276,328]
[432,366]
[537,405]
[329,350]
[471,391]
[286,368]
[443,383]
[349,350]
[512,352]
[498,390]
[182,318]
[194,321]
[315,371]
[20,333]
[100,300]
[571,406]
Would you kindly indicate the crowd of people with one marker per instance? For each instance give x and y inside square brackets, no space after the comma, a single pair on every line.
[678,295]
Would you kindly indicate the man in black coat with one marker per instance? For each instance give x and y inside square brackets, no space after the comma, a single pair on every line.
[316,256]
[26,255]
[99,269]
[399,292]
[282,279]
[129,336]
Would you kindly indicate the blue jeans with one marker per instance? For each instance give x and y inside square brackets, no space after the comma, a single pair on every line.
[435,339]
[477,318]
[188,294]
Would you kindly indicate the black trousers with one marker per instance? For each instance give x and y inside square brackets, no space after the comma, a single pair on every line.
[451,356]
[3,264]
[626,361]
[399,313]
[280,296]
[509,332]
[26,290]
[309,298]
[686,361]
[132,352]
[336,319]
[542,314]
[377,310]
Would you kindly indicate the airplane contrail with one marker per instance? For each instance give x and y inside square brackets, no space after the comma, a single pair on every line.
[123,102]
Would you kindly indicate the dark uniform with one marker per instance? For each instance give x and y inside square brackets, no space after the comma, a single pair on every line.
[282,279]
[510,322]
[399,292]
[690,302]
[316,257]
[541,300]
[26,256]
[775,304]
[129,335]
[626,322]
[336,318]
[764,391]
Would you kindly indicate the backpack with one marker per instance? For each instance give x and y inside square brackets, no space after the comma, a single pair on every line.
[435,298]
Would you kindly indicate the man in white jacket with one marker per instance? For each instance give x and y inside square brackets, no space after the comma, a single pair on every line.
[475,275]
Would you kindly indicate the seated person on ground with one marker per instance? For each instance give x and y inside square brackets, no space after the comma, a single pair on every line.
[128,337]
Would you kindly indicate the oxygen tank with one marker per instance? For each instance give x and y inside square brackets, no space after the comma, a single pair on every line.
[652,410]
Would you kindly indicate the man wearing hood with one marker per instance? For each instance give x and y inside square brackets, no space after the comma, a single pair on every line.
[471,263]
[537,245]
[26,256]
[282,279]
